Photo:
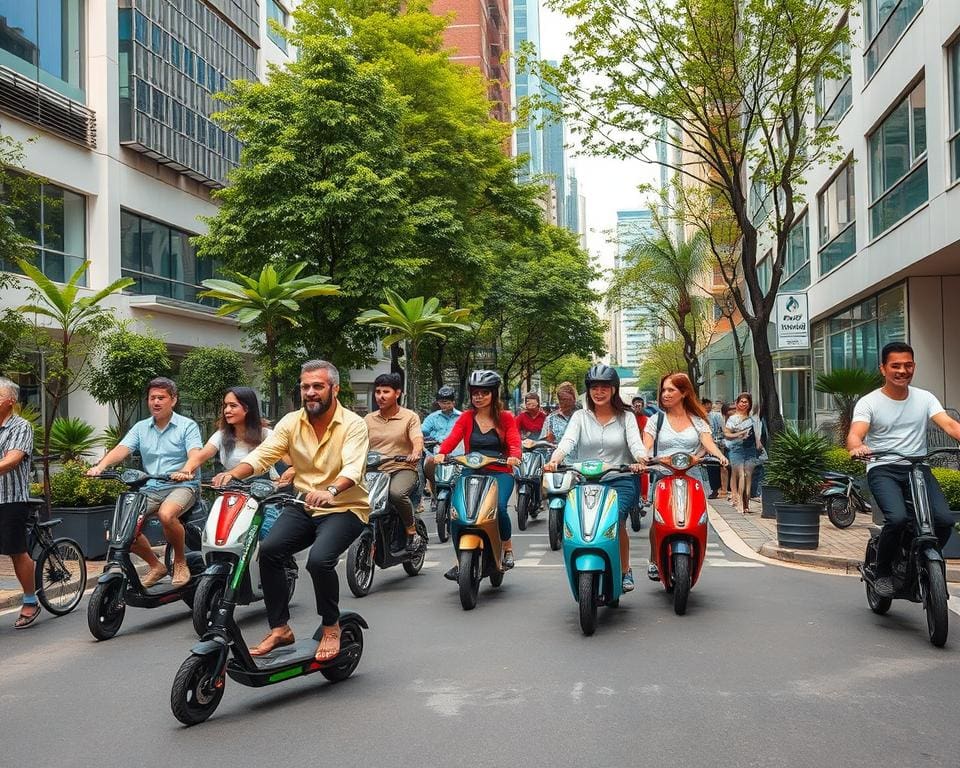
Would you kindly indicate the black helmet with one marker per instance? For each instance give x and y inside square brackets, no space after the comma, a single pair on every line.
[601,373]
[484,379]
[446,392]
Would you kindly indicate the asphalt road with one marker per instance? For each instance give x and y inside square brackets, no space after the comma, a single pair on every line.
[770,667]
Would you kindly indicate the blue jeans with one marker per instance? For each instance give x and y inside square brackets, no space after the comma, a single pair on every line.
[505,484]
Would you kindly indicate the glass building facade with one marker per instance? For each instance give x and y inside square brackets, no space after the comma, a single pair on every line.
[44,41]
[526,28]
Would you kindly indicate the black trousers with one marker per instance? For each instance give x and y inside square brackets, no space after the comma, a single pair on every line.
[295,530]
[890,486]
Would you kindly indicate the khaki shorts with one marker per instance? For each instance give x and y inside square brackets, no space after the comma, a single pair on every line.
[182,495]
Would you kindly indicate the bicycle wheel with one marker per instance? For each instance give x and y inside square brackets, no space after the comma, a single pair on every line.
[61,576]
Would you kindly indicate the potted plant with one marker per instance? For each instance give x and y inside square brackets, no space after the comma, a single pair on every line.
[796,465]
[85,504]
[949,480]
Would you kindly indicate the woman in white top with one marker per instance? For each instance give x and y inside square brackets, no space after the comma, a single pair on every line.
[743,434]
[606,430]
[683,429]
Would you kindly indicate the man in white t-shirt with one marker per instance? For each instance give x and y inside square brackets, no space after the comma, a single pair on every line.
[895,418]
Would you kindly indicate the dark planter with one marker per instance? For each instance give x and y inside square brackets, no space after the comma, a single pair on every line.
[798,525]
[769,497]
[952,549]
[87,525]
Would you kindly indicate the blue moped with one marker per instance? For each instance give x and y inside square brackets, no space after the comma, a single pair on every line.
[591,536]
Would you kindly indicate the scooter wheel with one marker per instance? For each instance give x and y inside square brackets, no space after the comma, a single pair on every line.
[496,578]
[197,690]
[469,578]
[415,563]
[554,525]
[350,635]
[360,565]
[205,602]
[443,520]
[841,511]
[681,582]
[523,510]
[879,605]
[935,602]
[587,591]
[106,609]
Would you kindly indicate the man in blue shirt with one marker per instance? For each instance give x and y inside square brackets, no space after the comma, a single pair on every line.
[165,441]
[438,424]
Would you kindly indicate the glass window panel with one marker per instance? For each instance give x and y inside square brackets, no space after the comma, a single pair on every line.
[955,157]
[892,315]
[153,286]
[918,112]
[74,224]
[907,196]
[838,250]
[201,71]
[896,146]
[156,37]
[886,20]
[954,60]
[155,247]
[130,241]
[19,35]
[55,267]
[141,27]
[27,218]
[52,217]
[176,52]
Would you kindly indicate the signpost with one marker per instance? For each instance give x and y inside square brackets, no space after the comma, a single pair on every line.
[792,321]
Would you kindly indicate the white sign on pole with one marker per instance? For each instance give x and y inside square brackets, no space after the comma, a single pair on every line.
[792,321]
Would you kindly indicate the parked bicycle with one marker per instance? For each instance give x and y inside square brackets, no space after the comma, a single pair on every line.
[61,568]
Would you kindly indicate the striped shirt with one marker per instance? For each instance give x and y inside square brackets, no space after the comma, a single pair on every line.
[16,435]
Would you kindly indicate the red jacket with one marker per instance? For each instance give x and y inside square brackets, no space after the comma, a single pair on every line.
[463,428]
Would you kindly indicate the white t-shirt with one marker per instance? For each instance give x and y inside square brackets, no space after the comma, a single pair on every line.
[670,441]
[239,452]
[896,425]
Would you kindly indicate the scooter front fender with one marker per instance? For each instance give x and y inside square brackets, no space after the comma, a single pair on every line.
[470,541]
[219,568]
[210,647]
[681,547]
[933,555]
[834,490]
[589,561]
[109,576]
[351,616]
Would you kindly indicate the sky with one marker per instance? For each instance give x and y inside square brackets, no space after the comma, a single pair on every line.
[607,185]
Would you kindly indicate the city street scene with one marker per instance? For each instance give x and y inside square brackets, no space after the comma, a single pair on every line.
[565,382]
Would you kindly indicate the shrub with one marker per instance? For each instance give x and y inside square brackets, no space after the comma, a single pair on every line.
[72,438]
[949,480]
[838,460]
[796,465]
[70,487]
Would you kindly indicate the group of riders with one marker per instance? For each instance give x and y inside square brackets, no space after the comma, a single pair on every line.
[321,449]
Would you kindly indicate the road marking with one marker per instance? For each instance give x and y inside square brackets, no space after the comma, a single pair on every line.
[731,564]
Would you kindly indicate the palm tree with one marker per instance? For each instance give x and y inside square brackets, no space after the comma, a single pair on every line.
[74,325]
[411,321]
[846,386]
[264,303]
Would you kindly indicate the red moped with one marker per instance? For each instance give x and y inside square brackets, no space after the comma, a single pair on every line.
[679,529]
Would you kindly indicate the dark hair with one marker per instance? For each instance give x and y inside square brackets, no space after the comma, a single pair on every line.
[892,348]
[162,382]
[391,380]
[615,400]
[495,405]
[531,396]
[705,401]
[253,422]
[690,402]
[740,397]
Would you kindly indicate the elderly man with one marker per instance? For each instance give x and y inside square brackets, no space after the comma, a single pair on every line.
[327,445]
[16,445]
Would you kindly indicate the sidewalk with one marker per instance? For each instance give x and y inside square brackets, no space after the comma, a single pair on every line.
[841,549]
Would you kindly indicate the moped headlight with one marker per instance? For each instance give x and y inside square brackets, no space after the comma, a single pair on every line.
[491,515]
[567,533]
[454,514]
[703,519]
[611,532]
[681,460]
[658,517]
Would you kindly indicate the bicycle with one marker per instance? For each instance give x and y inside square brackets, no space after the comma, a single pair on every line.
[61,568]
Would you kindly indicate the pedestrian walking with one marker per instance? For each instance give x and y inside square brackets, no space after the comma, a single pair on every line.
[743,431]
[16,447]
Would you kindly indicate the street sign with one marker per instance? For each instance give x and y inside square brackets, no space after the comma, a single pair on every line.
[792,321]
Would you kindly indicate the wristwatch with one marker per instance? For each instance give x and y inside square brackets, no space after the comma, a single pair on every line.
[333,490]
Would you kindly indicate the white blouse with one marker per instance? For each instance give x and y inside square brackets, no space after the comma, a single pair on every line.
[616,442]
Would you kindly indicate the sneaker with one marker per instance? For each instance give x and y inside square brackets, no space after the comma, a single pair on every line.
[508,561]
[414,542]
[883,586]
[181,575]
[713,495]
[653,573]
[153,576]
[628,584]
[453,574]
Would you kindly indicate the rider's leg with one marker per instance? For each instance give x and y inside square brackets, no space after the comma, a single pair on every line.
[293,531]
[141,545]
[939,508]
[889,486]
[13,542]
[402,484]
[505,483]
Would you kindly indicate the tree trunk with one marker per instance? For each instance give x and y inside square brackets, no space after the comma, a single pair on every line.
[412,375]
[769,396]
[395,366]
[738,350]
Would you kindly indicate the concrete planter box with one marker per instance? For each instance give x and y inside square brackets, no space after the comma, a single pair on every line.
[798,525]
[88,525]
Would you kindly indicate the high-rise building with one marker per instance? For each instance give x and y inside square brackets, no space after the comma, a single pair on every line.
[479,35]
[555,155]
[526,28]
[639,329]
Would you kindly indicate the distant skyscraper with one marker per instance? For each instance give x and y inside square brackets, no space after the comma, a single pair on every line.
[637,326]
[554,155]
[526,28]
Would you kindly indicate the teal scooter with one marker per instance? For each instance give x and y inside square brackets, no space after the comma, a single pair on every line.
[591,536]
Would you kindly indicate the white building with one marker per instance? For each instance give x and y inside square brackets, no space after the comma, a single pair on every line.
[637,329]
[119,96]
[878,245]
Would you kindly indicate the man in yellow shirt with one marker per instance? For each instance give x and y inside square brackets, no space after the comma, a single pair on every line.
[327,445]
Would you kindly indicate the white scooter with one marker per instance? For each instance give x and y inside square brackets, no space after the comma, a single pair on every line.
[222,544]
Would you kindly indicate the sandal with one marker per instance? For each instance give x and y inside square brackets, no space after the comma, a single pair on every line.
[271,642]
[329,647]
[25,620]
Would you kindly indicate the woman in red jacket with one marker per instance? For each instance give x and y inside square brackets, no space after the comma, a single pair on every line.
[487,429]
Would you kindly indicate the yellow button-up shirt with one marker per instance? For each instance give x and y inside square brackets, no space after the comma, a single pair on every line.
[342,452]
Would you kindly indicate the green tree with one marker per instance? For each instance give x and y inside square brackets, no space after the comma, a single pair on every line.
[206,373]
[735,80]
[572,368]
[264,305]
[322,180]
[67,329]
[662,358]
[411,321]
[128,360]
[846,386]
[20,194]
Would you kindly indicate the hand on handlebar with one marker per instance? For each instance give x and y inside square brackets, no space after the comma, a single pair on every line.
[513,461]
[94,471]
[181,476]
[861,452]
[224,478]
[318,499]
[439,458]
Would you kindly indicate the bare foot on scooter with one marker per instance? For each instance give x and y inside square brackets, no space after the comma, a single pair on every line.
[329,646]
[277,638]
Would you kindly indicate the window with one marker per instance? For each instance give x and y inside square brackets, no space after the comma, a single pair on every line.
[796,265]
[44,41]
[760,201]
[898,162]
[834,92]
[161,259]
[141,26]
[884,23]
[176,52]
[765,271]
[54,219]
[837,212]
[953,62]
[188,62]
[276,13]
[201,71]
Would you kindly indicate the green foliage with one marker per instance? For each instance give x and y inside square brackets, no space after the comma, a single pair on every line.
[14,340]
[112,436]
[572,368]
[206,373]
[128,360]
[32,414]
[839,460]
[949,480]
[70,487]
[796,465]
[72,438]
[20,193]
[846,386]
[662,358]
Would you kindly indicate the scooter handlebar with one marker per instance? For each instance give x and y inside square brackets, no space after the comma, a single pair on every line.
[873,455]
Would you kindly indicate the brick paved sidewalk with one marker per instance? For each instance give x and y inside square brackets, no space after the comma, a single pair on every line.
[840,549]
